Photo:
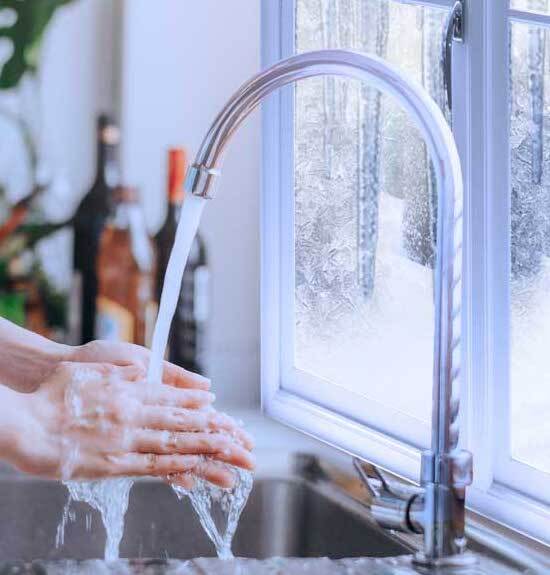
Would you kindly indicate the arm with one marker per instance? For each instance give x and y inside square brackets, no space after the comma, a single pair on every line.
[27,358]
[91,413]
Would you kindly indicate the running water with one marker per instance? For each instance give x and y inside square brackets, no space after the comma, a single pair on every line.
[218,509]
[190,217]
[110,498]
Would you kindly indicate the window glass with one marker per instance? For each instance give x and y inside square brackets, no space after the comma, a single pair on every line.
[530,245]
[540,6]
[365,208]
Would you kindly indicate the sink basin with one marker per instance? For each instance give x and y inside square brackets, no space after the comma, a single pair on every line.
[296,511]
[287,517]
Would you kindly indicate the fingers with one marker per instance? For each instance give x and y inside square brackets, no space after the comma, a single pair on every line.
[150,394]
[139,464]
[128,354]
[132,373]
[179,377]
[178,419]
[213,472]
[215,445]
[174,396]
[112,352]
[185,480]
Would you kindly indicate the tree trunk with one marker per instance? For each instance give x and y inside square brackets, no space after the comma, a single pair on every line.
[374,26]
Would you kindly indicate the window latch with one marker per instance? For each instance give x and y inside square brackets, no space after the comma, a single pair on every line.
[454,32]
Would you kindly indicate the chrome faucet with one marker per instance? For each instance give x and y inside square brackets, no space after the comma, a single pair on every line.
[436,508]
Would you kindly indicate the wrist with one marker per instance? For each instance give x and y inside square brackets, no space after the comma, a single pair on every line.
[26,359]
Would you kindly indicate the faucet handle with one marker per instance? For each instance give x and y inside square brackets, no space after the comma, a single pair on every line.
[366,471]
[379,484]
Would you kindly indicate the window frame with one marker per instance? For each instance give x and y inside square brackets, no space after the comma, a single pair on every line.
[480,91]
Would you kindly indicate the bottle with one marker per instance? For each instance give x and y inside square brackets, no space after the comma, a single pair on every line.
[89,221]
[187,342]
[126,306]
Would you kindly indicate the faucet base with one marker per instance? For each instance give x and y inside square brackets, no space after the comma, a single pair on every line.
[465,559]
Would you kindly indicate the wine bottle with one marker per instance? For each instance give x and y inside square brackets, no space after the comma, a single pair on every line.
[187,342]
[89,221]
[126,308]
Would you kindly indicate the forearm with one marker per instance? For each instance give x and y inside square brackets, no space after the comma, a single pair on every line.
[26,358]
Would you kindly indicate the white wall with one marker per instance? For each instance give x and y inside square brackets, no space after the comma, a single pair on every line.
[78,79]
[182,59]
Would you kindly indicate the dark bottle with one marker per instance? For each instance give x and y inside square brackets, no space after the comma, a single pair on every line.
[89,221]
[187,342]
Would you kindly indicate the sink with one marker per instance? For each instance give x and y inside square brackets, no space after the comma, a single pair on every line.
[296,510]
[286,517]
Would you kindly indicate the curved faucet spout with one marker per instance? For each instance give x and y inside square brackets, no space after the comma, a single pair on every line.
[439,468]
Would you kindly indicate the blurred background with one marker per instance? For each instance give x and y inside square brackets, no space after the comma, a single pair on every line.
[93,96]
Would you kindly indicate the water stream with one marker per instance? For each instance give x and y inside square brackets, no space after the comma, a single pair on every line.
[218,509]
[110,498]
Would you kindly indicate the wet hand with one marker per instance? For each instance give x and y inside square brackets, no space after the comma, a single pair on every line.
[128,354]
[91,419]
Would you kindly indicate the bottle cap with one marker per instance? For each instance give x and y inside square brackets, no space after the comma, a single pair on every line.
[108,130]
[177,167]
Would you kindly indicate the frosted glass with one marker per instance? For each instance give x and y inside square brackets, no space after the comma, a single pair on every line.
[539,6]
[365,204]
[530,246]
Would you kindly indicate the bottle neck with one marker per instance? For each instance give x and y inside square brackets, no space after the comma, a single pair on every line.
[174,209]
[107,173]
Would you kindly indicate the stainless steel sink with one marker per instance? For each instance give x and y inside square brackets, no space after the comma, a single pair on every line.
[298,511]
[284,517]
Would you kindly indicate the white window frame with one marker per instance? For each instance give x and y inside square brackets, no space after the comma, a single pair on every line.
[480,90]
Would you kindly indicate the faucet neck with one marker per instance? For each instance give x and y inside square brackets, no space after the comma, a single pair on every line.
[438,465]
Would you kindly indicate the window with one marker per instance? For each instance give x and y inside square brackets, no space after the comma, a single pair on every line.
[349,213]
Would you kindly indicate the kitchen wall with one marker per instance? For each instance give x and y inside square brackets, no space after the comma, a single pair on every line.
[78,79]
[182,59]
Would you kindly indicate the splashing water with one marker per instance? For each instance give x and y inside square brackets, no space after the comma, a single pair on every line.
[110,498]
[218,509]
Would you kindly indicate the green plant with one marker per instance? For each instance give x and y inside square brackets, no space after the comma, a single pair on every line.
[25,30]
[23,23]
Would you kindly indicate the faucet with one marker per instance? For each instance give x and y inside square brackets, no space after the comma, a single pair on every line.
[436,509]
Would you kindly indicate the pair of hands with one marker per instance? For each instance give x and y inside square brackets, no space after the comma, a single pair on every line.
[92,414]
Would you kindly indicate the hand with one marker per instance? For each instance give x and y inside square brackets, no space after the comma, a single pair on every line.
[128,354]
[91,420]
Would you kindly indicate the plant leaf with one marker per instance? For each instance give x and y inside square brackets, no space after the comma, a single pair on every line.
[26,34]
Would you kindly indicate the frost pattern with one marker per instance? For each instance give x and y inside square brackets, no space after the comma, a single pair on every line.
[365,212]
[530,242]
[538,6]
